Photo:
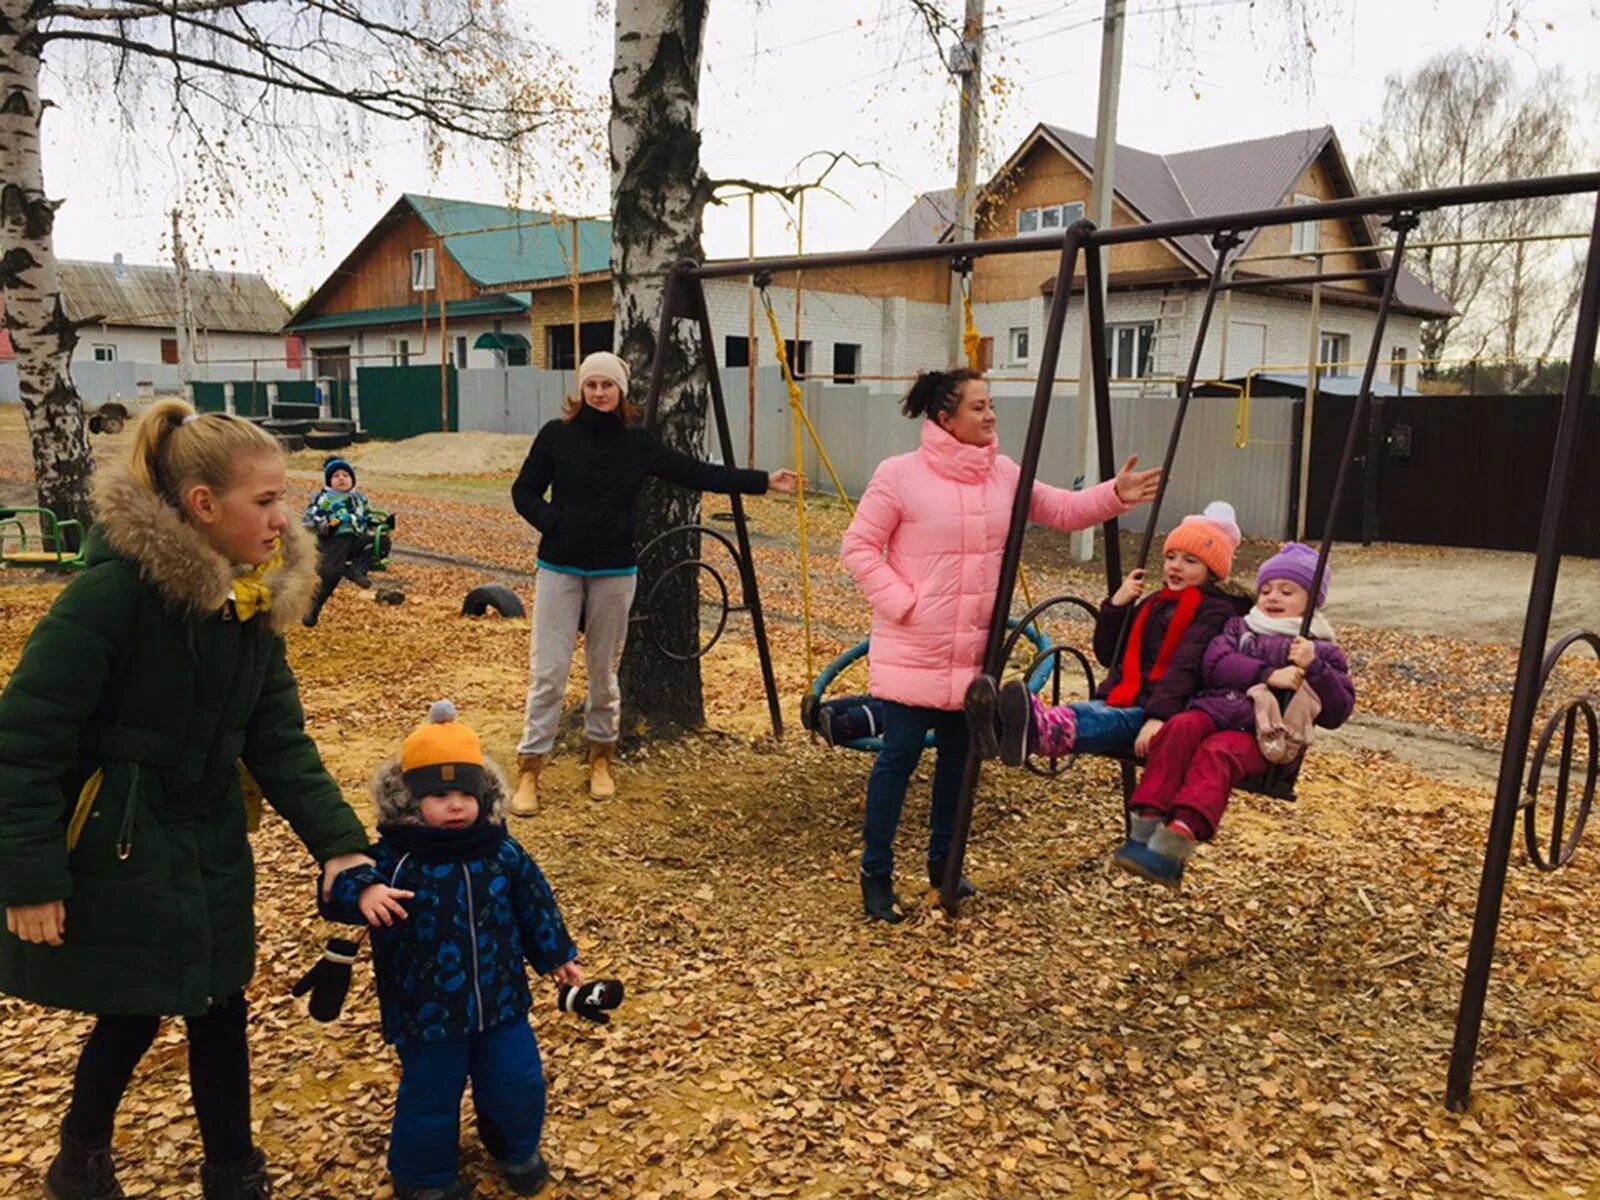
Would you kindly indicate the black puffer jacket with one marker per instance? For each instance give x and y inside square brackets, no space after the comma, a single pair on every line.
[593,467]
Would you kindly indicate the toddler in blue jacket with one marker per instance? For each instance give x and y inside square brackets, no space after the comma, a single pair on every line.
[457,908]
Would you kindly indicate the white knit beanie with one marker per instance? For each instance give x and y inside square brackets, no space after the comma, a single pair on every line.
[604,365]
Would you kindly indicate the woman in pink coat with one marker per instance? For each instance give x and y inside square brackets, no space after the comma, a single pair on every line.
[925,547]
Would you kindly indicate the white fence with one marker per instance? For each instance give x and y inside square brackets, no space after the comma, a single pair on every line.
[861,424]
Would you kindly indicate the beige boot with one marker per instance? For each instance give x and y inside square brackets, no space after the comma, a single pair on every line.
[601,785]
[526,801]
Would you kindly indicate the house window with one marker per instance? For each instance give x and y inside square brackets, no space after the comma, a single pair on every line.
[1050,216]
[1333,355]
[1128,349]
[1017,341]
[736,351]
[169,350]
[846,361]
[105,354]
[461,353]
[592,336]
[399,352]
[1397,367]
[1303,234]
[422,275]
[799,356]
[331,362]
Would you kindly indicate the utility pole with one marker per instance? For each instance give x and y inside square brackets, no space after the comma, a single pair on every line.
[1100,192]
[966,62]
[185,322]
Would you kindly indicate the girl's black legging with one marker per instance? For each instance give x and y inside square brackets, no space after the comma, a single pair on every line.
[219,1078]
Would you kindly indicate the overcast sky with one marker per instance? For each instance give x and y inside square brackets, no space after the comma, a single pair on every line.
[784,79]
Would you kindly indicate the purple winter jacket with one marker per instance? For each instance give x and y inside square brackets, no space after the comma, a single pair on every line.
[1231,668]
[1169,695]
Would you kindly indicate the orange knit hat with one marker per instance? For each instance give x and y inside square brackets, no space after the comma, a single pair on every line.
[442,755]
[1211,536]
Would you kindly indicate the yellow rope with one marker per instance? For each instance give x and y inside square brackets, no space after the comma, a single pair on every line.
[801,420]
[970,337]
[797,410]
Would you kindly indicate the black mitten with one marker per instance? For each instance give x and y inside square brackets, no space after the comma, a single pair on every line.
[591,1001]
[329,980]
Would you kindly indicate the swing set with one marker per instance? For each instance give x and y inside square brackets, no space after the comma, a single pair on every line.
[1518,790]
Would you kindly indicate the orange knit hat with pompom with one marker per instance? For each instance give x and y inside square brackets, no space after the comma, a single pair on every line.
[442,755]
[1211,536]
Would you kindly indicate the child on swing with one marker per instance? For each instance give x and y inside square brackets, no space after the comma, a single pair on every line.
[1235,727]
[1160,666]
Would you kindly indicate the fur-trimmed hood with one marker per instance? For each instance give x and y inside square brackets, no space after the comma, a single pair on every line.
[393,802]
[174,557]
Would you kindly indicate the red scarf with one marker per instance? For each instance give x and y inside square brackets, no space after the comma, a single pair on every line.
[1132,682]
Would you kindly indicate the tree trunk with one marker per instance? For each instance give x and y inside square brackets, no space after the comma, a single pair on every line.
[41,334]
[658,194]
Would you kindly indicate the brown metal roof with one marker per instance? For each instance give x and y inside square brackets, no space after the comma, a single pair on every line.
[131,294]
[1235,177]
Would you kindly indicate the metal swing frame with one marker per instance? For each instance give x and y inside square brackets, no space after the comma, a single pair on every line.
[685,296]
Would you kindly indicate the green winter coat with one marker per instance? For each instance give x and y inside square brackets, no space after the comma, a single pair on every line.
[141,669]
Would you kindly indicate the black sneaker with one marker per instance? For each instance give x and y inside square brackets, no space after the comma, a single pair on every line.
[936,868]
[82,1172]
[980,704]
[879,900]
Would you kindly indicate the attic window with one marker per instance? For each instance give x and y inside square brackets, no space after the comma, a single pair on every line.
[1050,216]
[422,277]
[1303,235]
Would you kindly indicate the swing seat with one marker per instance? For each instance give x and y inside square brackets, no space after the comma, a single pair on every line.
[14,548]
[813,699]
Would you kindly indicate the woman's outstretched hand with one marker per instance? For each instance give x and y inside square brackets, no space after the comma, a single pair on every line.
[785,481]
[1137,487]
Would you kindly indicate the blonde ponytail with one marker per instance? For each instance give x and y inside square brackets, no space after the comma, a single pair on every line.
[174,449]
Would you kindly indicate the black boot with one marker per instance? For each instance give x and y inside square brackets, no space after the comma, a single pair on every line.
[878,898]
[245,1180]
[82,1172]
[318,599]
[527,1178]
[936,878]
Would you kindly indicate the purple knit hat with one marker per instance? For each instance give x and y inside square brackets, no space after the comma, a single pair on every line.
[1297,563]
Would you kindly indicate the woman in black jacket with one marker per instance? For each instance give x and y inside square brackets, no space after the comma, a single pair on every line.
[593,463]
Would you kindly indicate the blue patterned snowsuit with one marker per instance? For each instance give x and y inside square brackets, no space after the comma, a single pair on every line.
[453,988]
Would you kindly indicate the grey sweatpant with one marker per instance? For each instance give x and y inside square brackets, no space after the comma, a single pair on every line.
[558,600]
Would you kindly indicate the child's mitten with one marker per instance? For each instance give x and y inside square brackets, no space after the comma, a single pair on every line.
[329,980]
[591,1001]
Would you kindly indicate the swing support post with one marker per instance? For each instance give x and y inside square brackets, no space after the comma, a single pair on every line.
[683,279]
[1529,685]
[1011,560]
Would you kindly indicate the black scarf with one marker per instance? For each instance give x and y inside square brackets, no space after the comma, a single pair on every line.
[435,844]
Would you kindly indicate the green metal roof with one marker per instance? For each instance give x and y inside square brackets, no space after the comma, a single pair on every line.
[539,249]
[506,304]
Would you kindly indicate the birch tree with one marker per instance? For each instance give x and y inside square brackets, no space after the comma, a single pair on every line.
[1463,118]
[256,91]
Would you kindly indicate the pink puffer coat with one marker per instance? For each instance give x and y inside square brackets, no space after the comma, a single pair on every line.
[941,514]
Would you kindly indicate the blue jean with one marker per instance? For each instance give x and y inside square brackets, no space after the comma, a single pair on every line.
[904,730]
[1106,730]
[507,1090]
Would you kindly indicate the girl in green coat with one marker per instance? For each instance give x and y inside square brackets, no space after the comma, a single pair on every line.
[125,869]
